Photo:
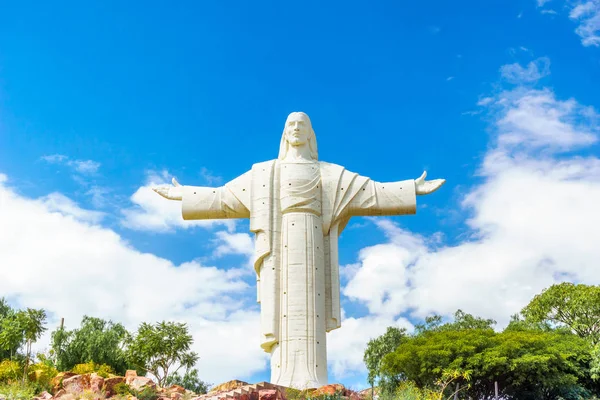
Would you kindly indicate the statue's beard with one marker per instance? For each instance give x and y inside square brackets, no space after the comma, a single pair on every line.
[296,142]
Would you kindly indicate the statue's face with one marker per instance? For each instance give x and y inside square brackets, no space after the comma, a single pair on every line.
[297,131]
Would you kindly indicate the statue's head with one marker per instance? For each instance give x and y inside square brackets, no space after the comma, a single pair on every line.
[298,131]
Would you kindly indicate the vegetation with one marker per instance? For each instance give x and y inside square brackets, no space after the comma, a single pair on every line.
[189,381]
[99,346]
[551,350]
[101,369]
[537,356]
[574,306]
[377,348]
[162,349]
[97,341]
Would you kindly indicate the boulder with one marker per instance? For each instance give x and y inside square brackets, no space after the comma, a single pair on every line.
[367,393]
[109,385]
[140,382]
[76,384]
[176,396]
[43,396]
[56,382]
[130,374]
[176,389]
[227,386]
[269,394]
[60,393]
[96,383]
[330,390]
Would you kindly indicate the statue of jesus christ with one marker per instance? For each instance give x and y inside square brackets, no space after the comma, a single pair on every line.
[298,206]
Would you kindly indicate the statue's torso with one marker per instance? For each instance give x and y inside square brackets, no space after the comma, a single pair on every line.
[300,189]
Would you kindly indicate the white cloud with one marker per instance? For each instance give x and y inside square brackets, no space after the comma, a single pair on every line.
[55,158]
[536,119]
[346,346]
[534,221]
[586,13]
[151,212]
[55,257]
[98,195]
[57,202]
[537,69]
[235,243]
[84,167]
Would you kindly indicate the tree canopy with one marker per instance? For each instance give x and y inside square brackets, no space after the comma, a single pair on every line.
[97,340]
[377,348]
[162,349]
[576,306]
[527,362]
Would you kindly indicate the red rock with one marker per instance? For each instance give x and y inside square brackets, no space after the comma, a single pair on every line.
[329,390]
[176,389]
[96,383]
[227,386]
[60,393]
[130,374]
[176,396]
[269,394]
[56,382]
[76,384]
[140,382]
[109,385]
[43,396]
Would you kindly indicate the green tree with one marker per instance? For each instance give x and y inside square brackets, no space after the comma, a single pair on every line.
[377,348]
[526,363]
[189,380]
[576,306]
[595,363]
[12,335]
[162,349]
[97,340]
[32,322]
[5,309]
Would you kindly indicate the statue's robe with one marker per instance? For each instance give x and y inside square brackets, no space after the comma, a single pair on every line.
[297,229]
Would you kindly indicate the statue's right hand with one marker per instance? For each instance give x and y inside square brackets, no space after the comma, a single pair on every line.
[170,192]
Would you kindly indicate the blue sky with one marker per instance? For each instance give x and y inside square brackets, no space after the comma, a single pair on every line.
[99,101]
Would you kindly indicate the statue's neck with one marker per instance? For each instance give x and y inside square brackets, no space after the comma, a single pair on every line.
[298,154]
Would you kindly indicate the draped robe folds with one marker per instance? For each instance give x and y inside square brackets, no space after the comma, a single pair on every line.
[257,194]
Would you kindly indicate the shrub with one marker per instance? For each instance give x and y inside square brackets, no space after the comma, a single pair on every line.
[16,391]
[101,369]
[10,371]
[122,389]
[147,393]
[41,374]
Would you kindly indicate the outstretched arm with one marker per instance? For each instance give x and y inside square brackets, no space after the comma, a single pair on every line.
[207,202]
[391,198]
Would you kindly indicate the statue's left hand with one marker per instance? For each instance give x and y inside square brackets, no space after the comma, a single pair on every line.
[425,187]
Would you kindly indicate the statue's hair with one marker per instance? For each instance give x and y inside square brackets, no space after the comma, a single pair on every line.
[312,138]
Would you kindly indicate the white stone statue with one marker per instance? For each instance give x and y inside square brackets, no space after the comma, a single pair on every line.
[298,206]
